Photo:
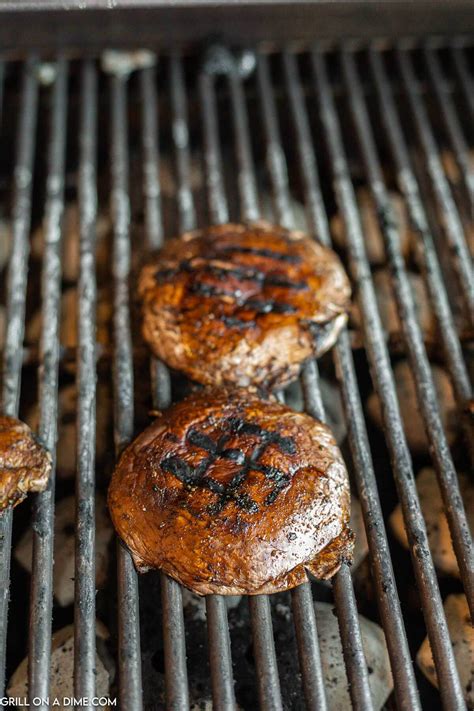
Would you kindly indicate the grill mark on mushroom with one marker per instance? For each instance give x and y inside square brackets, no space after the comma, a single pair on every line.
[196,476]
[240,273]
[269,253]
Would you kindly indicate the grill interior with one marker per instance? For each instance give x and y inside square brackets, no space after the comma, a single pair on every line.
[294,136]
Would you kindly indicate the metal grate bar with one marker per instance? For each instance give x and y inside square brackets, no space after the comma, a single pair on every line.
[176,679]
[130,681]
[427,401]
[16,297]
[451,120]
[176,676]
[302,600]
[220,655]
[381,566]
[173,625]
[464,76]
[216,197]
[345,601]
[343,591]
[356,665]
[246,174]
[180,131]
[41,593]
[218,630]
[84,575]
[313,199]
[450,686]
[219,640]
[151,174]
[406,691]
[263,643]
[260,610]
[268,681]
[447,207]
[187,212]
[426,250]
[274,154]
[342,583]
[308,648]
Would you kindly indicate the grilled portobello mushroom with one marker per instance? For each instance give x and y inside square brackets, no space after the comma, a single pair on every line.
[24,464]
[230,494]
[243,304]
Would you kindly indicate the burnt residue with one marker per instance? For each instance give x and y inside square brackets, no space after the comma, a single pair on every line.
[208,290]
[268,306]
[260,306]
[262,252]
[232,491]
[286,444]
[240,273]
[233,322]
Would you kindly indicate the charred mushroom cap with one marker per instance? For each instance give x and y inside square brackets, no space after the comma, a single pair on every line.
[229,494]
[243,304]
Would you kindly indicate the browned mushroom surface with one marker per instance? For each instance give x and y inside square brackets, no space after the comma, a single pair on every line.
[24,464]
[230,494]
[243,304]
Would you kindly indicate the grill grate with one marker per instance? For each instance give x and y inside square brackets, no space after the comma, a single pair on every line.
[300,131]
